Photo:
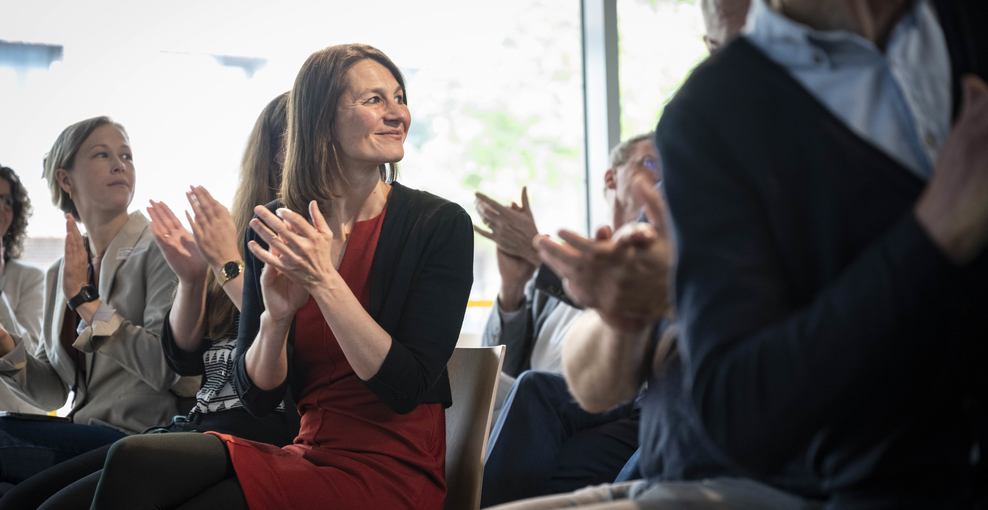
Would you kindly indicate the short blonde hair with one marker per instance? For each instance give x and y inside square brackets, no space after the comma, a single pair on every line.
[62,155]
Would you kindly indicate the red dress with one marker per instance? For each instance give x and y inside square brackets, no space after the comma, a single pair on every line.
[352,451]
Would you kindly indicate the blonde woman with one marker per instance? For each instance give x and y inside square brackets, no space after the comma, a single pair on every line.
[105,302]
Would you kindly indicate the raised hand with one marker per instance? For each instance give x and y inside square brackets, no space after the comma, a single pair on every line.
[954,206]
[176,244]
[624,276]
[213,229]
[282,296]
[305,254]
[75,264]
[512,228]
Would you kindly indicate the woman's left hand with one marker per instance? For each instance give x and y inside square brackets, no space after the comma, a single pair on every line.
[213,228]
[306,254]
[176,244]
[75,264]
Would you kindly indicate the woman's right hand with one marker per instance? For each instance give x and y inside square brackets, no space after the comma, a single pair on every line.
[75,264]
[282,296]
[177,245]
[213,229]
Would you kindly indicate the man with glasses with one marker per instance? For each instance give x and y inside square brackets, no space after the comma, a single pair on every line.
[543,442]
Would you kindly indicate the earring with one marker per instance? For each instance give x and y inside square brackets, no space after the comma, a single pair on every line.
[70,195]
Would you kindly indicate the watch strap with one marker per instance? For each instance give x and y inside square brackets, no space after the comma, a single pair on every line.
[85,295]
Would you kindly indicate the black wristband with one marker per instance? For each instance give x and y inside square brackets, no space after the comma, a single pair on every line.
[88,294]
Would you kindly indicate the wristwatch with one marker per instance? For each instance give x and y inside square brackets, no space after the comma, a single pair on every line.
[87,294]
[230,270]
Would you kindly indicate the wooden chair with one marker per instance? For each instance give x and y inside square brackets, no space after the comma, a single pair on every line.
[473,375]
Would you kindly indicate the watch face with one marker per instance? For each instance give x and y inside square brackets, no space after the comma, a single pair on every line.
[231,269]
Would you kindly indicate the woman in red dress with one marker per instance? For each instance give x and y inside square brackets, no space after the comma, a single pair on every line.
[354,293]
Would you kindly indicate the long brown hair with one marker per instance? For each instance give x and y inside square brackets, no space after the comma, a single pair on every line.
[312,165]
[260,178]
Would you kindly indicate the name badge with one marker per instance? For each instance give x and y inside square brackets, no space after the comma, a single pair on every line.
[124,253]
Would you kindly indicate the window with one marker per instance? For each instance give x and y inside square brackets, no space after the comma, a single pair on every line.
[495,95]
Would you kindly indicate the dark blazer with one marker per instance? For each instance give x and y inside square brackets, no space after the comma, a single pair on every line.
[419,285]
[815,312]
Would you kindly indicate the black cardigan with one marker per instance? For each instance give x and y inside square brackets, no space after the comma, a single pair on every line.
[816,313]
[419,285]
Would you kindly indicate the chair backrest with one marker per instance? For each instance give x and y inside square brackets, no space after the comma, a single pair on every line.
[473,375]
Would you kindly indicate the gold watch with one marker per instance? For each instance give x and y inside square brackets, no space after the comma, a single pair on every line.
[230,270]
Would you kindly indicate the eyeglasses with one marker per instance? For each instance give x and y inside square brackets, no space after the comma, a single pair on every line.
[7,202]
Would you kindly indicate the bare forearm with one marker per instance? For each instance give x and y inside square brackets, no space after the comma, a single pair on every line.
[188,318]
[602,367]
[362,340]
[234,289]
[267,358]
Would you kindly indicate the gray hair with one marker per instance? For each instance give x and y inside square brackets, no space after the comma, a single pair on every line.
[621,152]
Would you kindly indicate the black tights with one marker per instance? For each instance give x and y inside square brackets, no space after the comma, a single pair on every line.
[185,471]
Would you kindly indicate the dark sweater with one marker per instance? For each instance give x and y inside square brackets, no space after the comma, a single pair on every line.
[816,313]
[419,285]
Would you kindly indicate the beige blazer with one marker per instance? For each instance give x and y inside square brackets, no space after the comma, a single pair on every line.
[22,303]
[127,383]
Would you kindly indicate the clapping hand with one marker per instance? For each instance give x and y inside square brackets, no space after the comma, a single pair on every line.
[176,244]
[625,275]
[213,229]
[301,256]
[75,264]
[512,228]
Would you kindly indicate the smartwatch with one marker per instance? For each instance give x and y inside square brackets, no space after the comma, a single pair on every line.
[87,294]
[230,270]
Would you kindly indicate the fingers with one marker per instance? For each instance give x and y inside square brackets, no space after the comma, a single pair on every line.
[582,244]
[197,208]
[275,244]
[197,231]
[489,235]
[564,260]
[604,233]
[169,219]
[318,220]
[646,194]
[297,223]
[157,228]
[490,203]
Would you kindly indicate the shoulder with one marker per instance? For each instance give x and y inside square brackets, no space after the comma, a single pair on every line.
[424,206]
[738,74]
[21,271]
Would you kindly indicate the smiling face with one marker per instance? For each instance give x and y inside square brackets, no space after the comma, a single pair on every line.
[372,118]
[102,177]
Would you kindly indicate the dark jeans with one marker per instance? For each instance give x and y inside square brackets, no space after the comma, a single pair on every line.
[28,447]
[544,443]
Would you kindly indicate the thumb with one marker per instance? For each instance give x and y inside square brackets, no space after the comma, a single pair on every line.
[318,220]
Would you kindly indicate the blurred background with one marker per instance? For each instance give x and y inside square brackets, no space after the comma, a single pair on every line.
[495,91]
